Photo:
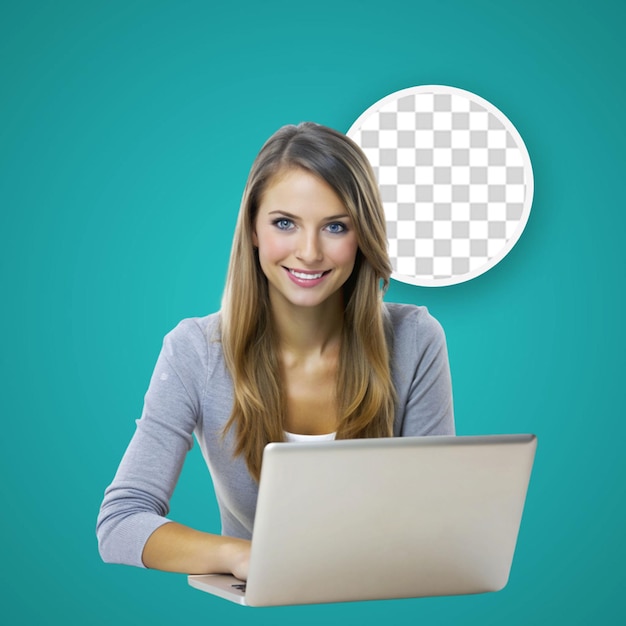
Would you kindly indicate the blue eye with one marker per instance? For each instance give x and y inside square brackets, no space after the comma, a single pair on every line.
[336,227]
[283,223]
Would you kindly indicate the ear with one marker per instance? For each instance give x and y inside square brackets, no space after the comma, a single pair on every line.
[255,239]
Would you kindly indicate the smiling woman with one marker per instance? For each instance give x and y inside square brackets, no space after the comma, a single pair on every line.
[305,251]
[303,346]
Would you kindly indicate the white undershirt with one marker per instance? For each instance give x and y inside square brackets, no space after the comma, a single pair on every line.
[298,438]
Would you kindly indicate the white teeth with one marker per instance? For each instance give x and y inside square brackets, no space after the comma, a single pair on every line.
[306,276]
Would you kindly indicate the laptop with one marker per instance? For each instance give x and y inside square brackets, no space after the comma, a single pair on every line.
[369,519]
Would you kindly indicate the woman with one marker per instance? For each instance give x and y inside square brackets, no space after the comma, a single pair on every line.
[302,348]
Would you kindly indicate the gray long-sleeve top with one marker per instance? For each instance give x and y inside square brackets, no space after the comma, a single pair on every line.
[191,393]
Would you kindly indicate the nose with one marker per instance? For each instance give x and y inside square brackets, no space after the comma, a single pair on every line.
[309,247]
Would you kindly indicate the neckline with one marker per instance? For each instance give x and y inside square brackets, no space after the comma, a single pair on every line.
[297,437]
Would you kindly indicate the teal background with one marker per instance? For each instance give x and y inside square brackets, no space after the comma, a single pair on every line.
[126,135]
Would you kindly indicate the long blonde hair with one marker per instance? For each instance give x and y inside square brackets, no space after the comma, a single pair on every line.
[365,392]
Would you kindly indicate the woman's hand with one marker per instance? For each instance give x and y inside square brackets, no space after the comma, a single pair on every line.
[239,558]
[177,548]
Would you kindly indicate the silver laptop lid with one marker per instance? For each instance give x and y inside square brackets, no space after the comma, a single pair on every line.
[387,518]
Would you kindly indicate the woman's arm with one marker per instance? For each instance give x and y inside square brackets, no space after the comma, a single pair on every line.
[421,374]
[177,548]
[132,525]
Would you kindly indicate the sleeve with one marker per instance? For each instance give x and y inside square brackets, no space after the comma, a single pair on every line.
[136,502]
[428,406]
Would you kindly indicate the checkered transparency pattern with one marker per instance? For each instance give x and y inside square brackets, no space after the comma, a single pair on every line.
[455,180]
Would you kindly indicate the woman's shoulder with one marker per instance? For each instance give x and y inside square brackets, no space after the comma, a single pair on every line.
[193,349]
[411,318]
[412,330]
[195,334]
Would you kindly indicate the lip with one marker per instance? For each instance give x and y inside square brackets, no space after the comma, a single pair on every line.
[306,282]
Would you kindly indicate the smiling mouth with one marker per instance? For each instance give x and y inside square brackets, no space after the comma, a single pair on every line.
[306,275]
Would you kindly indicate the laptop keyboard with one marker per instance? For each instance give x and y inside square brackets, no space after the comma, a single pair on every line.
[240,587]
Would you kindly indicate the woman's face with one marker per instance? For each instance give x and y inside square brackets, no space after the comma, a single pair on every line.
[306,240]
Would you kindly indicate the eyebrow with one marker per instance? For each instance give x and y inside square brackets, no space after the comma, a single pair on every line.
[326,219]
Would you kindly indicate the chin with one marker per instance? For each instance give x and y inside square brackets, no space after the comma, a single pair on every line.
[307,300]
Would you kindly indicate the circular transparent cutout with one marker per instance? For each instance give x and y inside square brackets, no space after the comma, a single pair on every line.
[455,179]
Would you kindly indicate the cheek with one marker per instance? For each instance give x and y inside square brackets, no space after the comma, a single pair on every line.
[272,247]
[344,251]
